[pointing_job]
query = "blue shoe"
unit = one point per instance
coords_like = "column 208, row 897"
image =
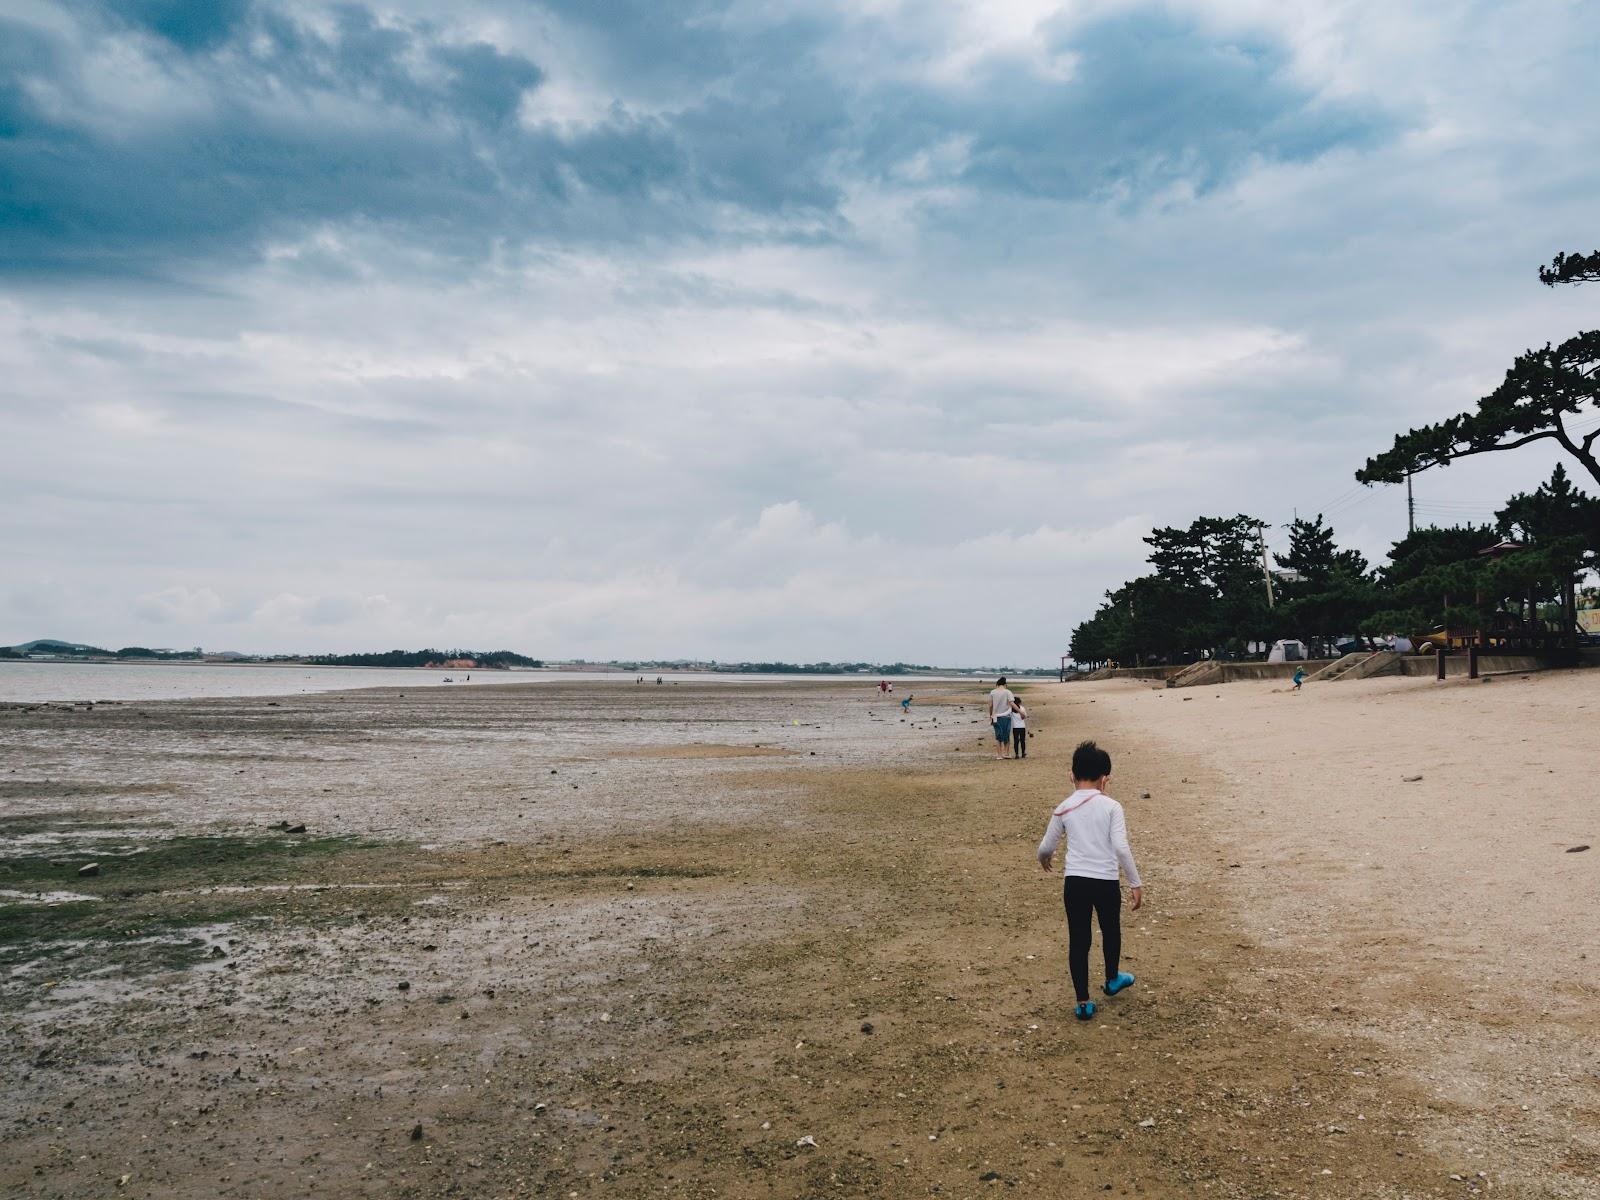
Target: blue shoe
column 1122, row 981
column 1084, row 1011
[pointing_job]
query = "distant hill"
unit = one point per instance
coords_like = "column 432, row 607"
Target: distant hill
column 61, row 649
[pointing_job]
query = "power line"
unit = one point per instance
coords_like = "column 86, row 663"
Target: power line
column 1351, row 506
column 1333, row 504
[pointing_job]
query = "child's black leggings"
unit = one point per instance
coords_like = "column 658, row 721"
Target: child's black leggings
column 1083, row 896
column 1019, row 742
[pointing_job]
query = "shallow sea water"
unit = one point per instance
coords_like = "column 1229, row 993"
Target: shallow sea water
column 38, row 682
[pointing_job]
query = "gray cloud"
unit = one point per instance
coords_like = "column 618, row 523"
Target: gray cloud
column 258, row 121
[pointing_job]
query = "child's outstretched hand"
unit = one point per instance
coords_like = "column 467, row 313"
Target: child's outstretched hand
column 1135, row 898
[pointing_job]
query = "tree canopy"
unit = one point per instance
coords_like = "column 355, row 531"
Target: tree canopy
column 1205, row 595
column 1550, row 394
column 1557, row 517
column 1205, row 590
column 1331, row 590
column 1571, row 268
column 1543, row 395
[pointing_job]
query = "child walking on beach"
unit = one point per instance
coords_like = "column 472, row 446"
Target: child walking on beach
column 1097, row 846
column 1019, row 730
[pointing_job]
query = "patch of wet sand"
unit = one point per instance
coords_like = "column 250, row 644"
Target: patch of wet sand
column 702, row 750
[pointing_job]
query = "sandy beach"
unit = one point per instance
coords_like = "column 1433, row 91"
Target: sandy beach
column 774, row 940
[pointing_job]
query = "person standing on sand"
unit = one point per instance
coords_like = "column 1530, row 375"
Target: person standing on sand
column 1299, row 677
column 1000, row 702
column 1097, row 846
column 1019, row 730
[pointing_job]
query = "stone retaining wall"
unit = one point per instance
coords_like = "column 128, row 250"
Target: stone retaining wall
column 1456, row 664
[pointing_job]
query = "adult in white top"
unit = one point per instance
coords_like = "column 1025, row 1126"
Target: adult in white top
column 1096, row 834
column 1000, row 701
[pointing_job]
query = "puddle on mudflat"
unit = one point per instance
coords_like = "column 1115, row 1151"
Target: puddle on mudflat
column 57, row 837
column 234, row 889
column 10, row 896
column 99, row 969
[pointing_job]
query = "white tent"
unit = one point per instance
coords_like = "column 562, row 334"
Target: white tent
column 1289, row 650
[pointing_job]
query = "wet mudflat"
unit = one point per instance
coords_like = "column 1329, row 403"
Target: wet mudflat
column 766, row 941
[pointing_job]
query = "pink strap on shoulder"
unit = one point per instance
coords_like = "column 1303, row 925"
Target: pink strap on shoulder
column 1061, row 812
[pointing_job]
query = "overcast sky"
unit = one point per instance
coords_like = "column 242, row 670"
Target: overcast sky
column 738, row 330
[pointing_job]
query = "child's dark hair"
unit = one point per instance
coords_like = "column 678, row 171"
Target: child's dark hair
column 1090, row 762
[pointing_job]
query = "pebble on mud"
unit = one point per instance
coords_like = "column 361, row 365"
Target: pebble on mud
column 866, row 1027
column 1411, row 779
column 404, row 985
column 1570, row 850
column 416, row 1132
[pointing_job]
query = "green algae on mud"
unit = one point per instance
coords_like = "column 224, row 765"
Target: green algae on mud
column 121, row 941
column 141, row 910
column 188, row 860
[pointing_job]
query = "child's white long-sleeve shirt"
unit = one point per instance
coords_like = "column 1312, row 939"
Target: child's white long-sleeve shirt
column 1096, row 833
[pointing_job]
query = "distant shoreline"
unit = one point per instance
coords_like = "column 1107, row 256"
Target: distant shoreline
column 586, row 668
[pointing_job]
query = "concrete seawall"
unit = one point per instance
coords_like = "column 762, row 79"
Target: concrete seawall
column 1210, row 671
column 1456, row 664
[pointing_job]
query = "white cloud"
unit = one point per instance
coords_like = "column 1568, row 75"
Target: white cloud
column 179, row 606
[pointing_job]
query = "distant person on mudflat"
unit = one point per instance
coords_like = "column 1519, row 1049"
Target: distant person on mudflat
column 1000, row 701
column 1299, row 677
column 1019, row 730
column 905, row 705
column 1096, row 834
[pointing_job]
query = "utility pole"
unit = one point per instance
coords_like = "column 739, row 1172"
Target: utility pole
column 1411, row 507
column 1266, row 571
